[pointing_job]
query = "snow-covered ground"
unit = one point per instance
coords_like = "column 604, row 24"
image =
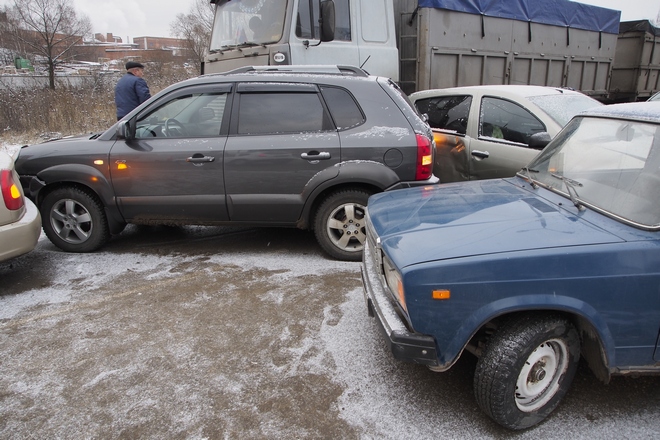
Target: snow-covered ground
column 239, row 333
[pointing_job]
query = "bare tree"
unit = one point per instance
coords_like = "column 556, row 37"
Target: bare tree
column 195, row 28
column 46, row 28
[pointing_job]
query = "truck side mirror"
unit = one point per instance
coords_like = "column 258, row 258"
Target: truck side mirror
column 538, row 141
column 327, row 20
column 124, row 131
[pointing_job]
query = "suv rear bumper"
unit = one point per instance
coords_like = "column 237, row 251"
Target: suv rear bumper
column 405, row 345
column 411, row 184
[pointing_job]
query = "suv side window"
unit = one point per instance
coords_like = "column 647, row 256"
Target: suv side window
column 343, row 108
column 191, row 115
column 281, row 112
column 506, row 120
column 308, row 19
column 447, row 112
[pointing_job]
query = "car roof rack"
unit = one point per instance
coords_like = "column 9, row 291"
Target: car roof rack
column 302, row 68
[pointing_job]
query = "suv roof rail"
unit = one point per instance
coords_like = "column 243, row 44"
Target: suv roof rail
column 320, row 68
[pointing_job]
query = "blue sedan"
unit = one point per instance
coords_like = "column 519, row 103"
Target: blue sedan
column 532, row 272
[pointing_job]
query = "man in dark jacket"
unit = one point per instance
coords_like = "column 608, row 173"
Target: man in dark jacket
column 131, row 90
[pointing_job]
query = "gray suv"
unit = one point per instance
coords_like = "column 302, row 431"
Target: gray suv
column 298, row 147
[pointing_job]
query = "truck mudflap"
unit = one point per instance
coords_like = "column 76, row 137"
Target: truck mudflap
column 404, row 344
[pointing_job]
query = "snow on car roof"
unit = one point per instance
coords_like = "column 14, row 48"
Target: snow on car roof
column 643, row 111
column 500, row 89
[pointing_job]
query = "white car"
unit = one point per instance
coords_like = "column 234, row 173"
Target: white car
column 20, row 221
column 484, row 132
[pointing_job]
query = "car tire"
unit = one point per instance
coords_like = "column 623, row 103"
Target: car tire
column 339, row 224
column 74, row 220
column 526, row 368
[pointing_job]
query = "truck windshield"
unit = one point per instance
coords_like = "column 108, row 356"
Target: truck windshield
column 247, row 22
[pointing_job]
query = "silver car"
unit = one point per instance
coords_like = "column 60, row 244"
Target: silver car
column 484, row 132
column 20, row 222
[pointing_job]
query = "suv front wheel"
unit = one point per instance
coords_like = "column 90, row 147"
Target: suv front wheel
column 74, row 220
column 339, row 224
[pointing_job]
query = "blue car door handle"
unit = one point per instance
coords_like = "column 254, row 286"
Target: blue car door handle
column 315, row 155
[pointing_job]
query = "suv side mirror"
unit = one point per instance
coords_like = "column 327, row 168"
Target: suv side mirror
column 124, row 131
column 538, row 141
column 327, row 20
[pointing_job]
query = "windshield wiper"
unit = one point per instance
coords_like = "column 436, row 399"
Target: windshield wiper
column 570, row 189
column 528, row 175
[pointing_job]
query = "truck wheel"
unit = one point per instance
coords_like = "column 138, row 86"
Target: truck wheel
column 74, row 220
column 339, row 224
column 526, row 369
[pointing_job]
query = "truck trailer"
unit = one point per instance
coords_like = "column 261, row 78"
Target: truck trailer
column 424, row 44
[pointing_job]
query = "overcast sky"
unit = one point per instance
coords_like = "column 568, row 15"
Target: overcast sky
column 135, row 18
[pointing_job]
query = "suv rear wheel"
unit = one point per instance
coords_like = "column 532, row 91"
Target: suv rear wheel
column 339, row 224
column 74, row 220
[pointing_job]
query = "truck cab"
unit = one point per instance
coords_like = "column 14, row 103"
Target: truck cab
column 311, row 32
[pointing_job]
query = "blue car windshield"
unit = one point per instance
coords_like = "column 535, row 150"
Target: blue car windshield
column 611, row 165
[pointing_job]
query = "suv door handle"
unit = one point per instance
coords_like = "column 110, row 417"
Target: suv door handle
column 315, row 155
column 200, row 158
column 480, row 154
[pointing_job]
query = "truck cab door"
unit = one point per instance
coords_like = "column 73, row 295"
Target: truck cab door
column 305, row 36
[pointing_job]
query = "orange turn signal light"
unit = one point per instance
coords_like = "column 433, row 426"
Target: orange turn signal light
column 441, row 294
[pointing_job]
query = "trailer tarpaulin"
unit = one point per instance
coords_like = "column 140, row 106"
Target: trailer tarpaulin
column 553, row 12
column 639, row 26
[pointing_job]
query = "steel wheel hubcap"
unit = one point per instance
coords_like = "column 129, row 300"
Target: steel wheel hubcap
column 538, row 380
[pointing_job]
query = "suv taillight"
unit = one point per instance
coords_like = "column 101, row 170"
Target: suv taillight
column 10, row 192
column 424, row 169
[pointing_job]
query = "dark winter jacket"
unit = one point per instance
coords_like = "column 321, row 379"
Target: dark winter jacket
column 130, row 92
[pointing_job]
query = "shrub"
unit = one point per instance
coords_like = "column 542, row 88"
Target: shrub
column 80, row 103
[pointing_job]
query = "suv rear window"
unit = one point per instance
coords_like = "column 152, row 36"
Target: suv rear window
column 262, row 113
column 343, row 108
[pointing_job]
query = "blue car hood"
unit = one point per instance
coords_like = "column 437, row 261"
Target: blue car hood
column 474, row 218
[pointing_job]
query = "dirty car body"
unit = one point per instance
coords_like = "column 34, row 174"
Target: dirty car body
column 301, row 146
column 485, row 132
column 529, row 273
column 20, row 222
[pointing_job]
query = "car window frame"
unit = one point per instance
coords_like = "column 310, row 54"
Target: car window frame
column 215, row 88
column 484, row 138
column 471, row 99
column 277, row 87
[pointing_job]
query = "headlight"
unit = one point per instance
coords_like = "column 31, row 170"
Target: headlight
column 394, row 282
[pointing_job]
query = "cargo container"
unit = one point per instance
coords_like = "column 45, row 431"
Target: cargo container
column 636, row 63
column 426, row 44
